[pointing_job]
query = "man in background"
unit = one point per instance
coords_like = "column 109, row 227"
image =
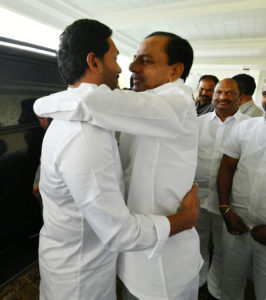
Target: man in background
column 206, row 87
column 242, row 189
column 248, row 86
column 214, row 127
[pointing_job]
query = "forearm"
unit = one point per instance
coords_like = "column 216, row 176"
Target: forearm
column 123, row 231
column 225, row 178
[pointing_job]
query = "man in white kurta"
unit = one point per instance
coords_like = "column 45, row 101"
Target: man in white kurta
column 159, row 168
column 82, row 231
column 244, row 168
column 163, row 170
column 213, row 130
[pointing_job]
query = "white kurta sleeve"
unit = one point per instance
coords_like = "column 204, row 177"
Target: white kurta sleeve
column 88, row 167
column 143, row 113
column 231, row 145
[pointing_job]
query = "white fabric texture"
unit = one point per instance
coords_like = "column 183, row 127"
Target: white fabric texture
column 242, row 254
column 190, row 292
column 86, row 222
column 210, row 226
column 159, row 167
column 248, row 144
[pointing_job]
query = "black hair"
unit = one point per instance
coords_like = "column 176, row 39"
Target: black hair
column 178, row 50
column 209, row 77
column 246, row 82
column 77, row 40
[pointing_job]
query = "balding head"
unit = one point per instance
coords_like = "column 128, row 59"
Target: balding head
column 226, row 97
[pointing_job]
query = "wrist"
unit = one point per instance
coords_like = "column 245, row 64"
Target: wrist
column 225, row 209
column 226, row 204
column 181, row 221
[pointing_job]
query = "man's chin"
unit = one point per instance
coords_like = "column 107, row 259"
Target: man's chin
column 205, row 99
column 138, row 88
column 113, row 86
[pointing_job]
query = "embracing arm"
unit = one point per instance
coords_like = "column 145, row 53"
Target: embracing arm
column 144, row 113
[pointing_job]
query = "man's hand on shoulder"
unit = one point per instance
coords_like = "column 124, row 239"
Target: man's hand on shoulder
column 188, row 214
column 259, row 234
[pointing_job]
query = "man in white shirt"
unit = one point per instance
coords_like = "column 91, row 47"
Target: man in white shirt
column 86, row 222
column 159, row 165
column 248, row 86
column 214, row 127
column 242, row 189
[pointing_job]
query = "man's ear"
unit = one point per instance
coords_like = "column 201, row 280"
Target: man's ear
column 94, row 63
column 177, row 71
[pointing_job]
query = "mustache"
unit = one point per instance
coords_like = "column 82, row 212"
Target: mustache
column 204, row 96
column 224, row 100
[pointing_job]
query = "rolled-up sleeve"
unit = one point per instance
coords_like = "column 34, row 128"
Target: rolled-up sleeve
column 231, row 145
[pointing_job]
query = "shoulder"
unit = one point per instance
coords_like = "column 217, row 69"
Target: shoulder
column 206, row 117
column 248, row 127
column 62, row 135
column 178, row 96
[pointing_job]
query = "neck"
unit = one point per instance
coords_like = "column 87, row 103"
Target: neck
column 87, row 77
column 223, row 115
column 74, row 85
column 244, row 99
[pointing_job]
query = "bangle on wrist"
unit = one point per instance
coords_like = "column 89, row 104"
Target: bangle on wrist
column 224, row 208
column 227, row 211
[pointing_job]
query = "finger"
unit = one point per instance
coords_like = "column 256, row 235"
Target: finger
column 237, row 232
column 242, row 227
column 254, row 229
column 195, row 187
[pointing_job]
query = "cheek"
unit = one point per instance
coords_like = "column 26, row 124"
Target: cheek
column 156, row 78
column 236, row 102
column 264, row 102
